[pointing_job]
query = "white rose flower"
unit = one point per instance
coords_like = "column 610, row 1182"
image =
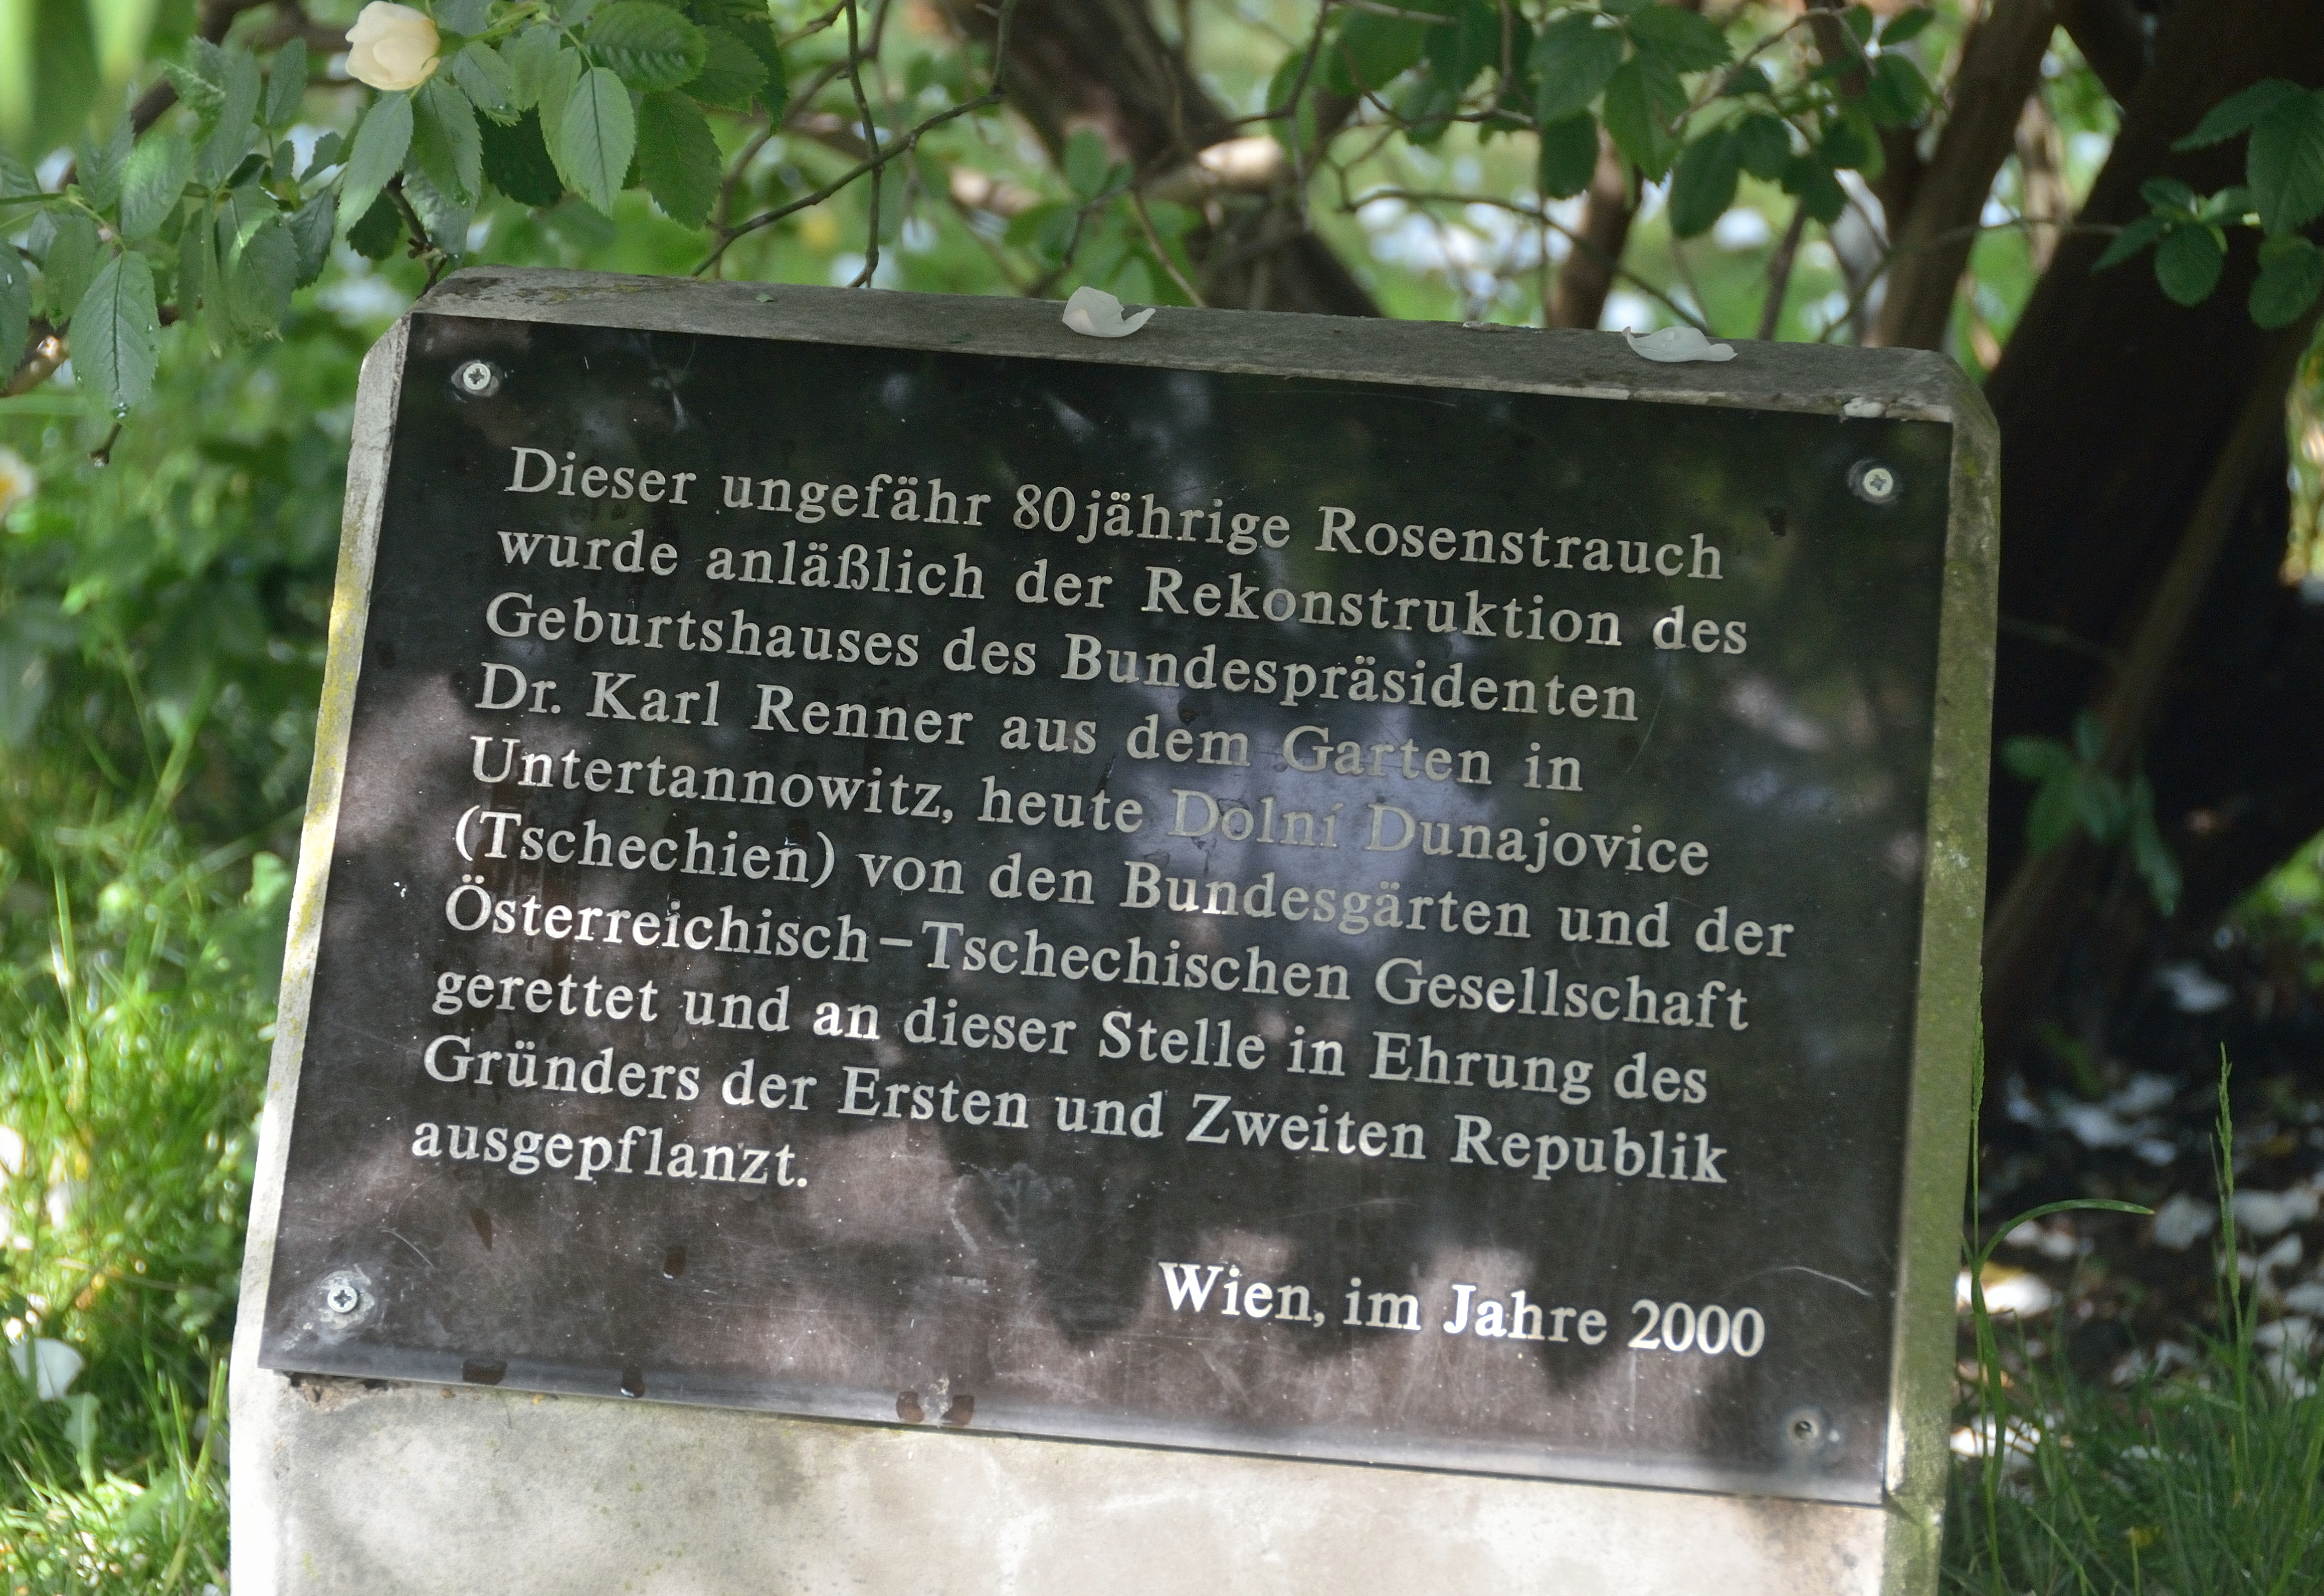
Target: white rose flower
column 17, row 482
column 393, row 47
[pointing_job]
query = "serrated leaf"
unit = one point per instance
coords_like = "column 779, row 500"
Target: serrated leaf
column 485, row 78
column 381, row 140
column 1682, row 41
column 2228, row 205
column 16, row 182
column 1703, row 186
column 1569, row 155
column 15, row 302
column 260, row 276
column 731, row 75
column 97, row 167
column 445, row 216
column 2130, row 241
column 517, row 162
column 2291, row 277
column 374, row 236
column 116, row 333
column 528, row 54
column 1810, row 181
column 229, row 139
column 462, row 16
column 2285, row 163
column 200, row 78
column 153, row 181
column 67, row 262
column 1894, row 92
column 1634, row 97
column 2239, row 112
column 312, row 225
column 1765, row 144
column 1575, row 58
column 678, row 158
column 2168, row 194
column 329, row 152
column 564, row 70
column 2187, row 263
column 196, row 245
column 1846, row 146
column 444, row 143
column 286, row 84
column 1457, row 54
column 596, row 136
column 1085, row 163
column 649, row 47
column 1906, row 27
column 1371, row 51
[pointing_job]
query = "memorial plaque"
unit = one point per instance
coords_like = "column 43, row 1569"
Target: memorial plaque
column 1272, row 886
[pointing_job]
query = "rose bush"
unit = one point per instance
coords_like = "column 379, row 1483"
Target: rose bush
column 393, row 47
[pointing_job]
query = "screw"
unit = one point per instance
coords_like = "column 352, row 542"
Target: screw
column 342, row 1298
column 1872, row 481
column 477, row 378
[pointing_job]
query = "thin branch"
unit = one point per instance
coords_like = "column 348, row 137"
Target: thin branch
column 872, row 136
column 1154, row 240
column 1779, row 272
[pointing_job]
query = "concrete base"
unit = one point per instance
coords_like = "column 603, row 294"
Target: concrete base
column 347, row 1488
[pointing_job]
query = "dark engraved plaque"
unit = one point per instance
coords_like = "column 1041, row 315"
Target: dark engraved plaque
column 1226, row 908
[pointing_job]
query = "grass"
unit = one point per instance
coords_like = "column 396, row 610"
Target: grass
column 136, row 990
column 2208, row 1479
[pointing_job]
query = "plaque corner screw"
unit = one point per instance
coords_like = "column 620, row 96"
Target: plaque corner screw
column 478, row 379
column 1873, row 481
column 341, row 1297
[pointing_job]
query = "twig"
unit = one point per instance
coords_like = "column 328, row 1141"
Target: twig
column 871, row 135
column 1146, row 222
column 1779, row 271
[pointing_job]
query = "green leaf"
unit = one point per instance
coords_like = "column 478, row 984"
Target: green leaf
column 68, row 262
column 446, row 215
column 1569, row 155
column 197, row 244
column 462, row 16
column 200, row 78
column 1575, row 58
column 1846, row 146
column 15, row 302
column 444, row 143
column 1765, row 144
column 286, row 85
column 678, row 158
column 485, row 78
column 15, row 181
column 1293, row 126
column 529, row 54
column 517, row 162
column 732, row 72
column 116, row 333
column 2188, row 262
column 1810, row 180
column 2286, row 163
column 649, row 47
column 565, row 71
column 1894, row 92
column 1905, row 26
column 2038, row 758
column 596, row 134
column 1047, row 230
column 97, row 167
column 1426, row 110
column 153, row 182
column 1371, row 51
column 380, row 142
column 310, row 231
column 1703, row 186
column 1635, row 95
column 1086, row 163
column 260, row 276
column 1682, row 41
column 1860, row 21
column 374, row 236
column 231, row 137
column 1458, row 53
column 2239, row 112
column 2130, row 241
column 2169, row 194
column 2291, row 277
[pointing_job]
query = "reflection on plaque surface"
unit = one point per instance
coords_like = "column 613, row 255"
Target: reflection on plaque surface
column 1241, row 911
